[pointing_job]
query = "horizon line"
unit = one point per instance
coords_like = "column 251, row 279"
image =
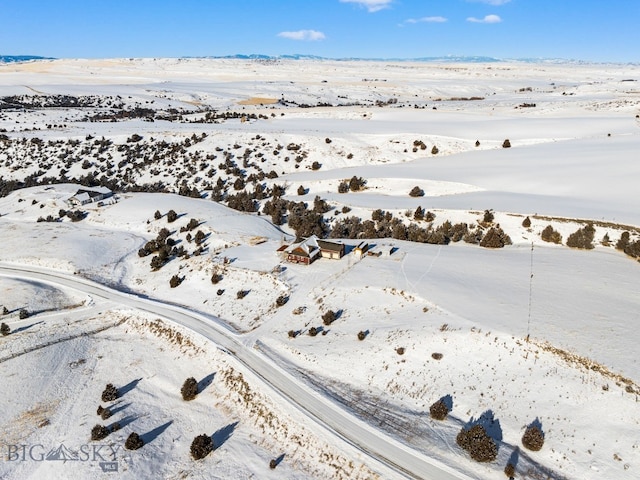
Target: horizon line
column 298, row 56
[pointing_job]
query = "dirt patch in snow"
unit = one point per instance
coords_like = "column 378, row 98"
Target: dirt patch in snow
column 258, row 101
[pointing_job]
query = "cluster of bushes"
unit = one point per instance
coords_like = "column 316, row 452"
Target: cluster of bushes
column 495, row 238
column 139, row 155
column 329, row 317
column 304, row 221
column 104, row 413
column 385, row 225
column 355, row 184
column 421, row 215
column 60, row 101
column 166, row 247
column 419, row 144
column 192, row 225
column 416, row 192
column 627, row 246
column 242, row 201
column 110, row 393
column 98, row 432
column 76, row 215
column 478, row 443
column 161, row 242
column 175, row 281
column 186, row 191
column 582, row 238
column 550, row 235
column 201, row 446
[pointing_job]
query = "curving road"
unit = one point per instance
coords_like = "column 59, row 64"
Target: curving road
column 399, row 457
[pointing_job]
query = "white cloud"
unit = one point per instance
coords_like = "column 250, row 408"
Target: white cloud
column 426, row 20
column 487, row 19
column 371, row 5
column 495, row 3
column 306, row 35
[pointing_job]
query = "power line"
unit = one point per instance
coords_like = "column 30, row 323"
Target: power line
column 530, row 293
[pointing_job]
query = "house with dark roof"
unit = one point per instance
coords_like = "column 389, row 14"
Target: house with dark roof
column 88, row 195
column 330, row 249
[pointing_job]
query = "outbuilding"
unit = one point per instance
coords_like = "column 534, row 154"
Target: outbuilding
column 330, row 249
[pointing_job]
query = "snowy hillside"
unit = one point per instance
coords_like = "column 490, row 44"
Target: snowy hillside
column 471, row 292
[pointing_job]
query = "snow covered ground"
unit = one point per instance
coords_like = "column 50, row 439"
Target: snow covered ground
column 533, row 331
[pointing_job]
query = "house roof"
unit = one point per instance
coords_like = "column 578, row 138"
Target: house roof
column 308, row 248
column 94, row 191
column 331, row 246
column 81, row 197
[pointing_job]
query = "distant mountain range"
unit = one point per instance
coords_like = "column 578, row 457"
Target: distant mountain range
column 457, row 59
column 441, row 59
column 257, row 56
column 21, row 58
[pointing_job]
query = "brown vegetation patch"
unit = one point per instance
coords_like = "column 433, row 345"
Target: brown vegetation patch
column 588, row 364
column 612, row 225
column 273, row 426
column 162, row 330
column 258, row 101
column 19, row 428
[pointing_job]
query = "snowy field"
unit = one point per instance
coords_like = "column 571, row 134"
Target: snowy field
column 532, row 332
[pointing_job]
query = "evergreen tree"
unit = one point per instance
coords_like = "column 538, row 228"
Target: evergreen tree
column 189, row 389
column 134, row 442
column 201, row 446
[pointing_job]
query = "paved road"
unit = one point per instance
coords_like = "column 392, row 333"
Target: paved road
column 397, row 456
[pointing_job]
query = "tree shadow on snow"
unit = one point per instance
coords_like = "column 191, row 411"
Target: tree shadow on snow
column 151, row 435
column 124, row 422
column 490, row 424
column 119, row 407
column 514, row 458
column 205, row 382
column 26, row 327
column 538, row 424
column 448, row 402
column 128, row 387
column 224, row 434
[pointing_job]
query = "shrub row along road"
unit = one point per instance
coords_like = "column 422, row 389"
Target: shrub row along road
column 397, row 456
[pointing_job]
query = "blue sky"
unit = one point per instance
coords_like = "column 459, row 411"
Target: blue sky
column 592, row 30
